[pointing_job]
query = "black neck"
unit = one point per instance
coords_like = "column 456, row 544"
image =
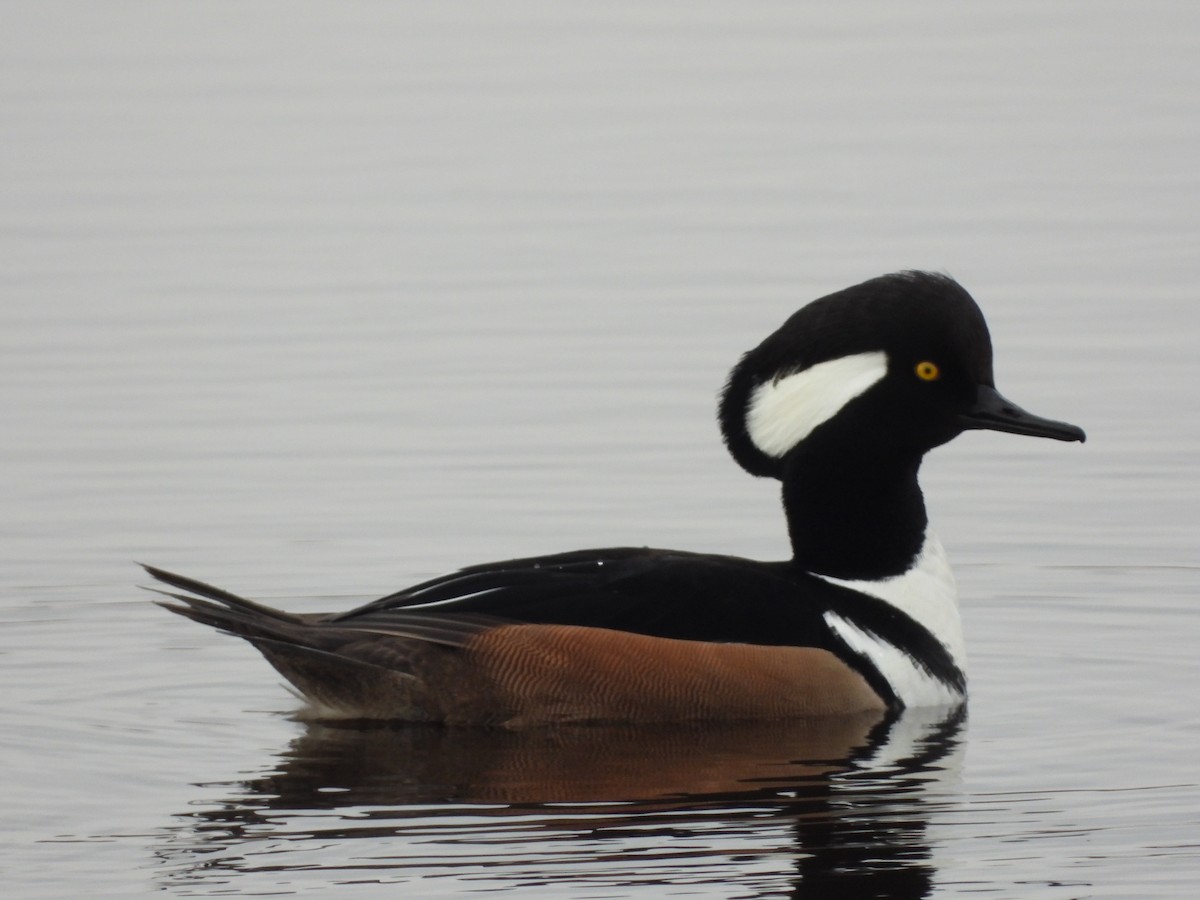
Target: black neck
column 853, row 513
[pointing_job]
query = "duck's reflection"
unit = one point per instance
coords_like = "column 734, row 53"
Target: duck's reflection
column 839, row 805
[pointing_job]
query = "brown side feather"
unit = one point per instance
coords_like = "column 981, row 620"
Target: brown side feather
column 558, row 673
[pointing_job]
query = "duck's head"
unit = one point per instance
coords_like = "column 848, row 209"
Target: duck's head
column 898, row 364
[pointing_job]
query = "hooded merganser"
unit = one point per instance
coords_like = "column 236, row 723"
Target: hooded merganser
column 840, row 404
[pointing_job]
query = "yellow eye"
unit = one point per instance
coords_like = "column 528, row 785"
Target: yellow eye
column 928, row 371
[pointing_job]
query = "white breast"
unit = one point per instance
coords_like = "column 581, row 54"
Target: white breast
column 926, row 593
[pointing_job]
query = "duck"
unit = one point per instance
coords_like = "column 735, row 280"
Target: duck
column 839, row 405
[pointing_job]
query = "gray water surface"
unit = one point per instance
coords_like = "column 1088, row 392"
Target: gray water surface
column 315, row 301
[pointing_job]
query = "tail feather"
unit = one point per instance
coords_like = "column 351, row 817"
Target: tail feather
column 200, row 589
column 342, row 671
column 231, row 621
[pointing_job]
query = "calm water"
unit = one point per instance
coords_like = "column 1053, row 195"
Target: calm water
column 315, row 301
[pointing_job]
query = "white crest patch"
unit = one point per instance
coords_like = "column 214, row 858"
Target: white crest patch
column 926, row 593
column 784, row 412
